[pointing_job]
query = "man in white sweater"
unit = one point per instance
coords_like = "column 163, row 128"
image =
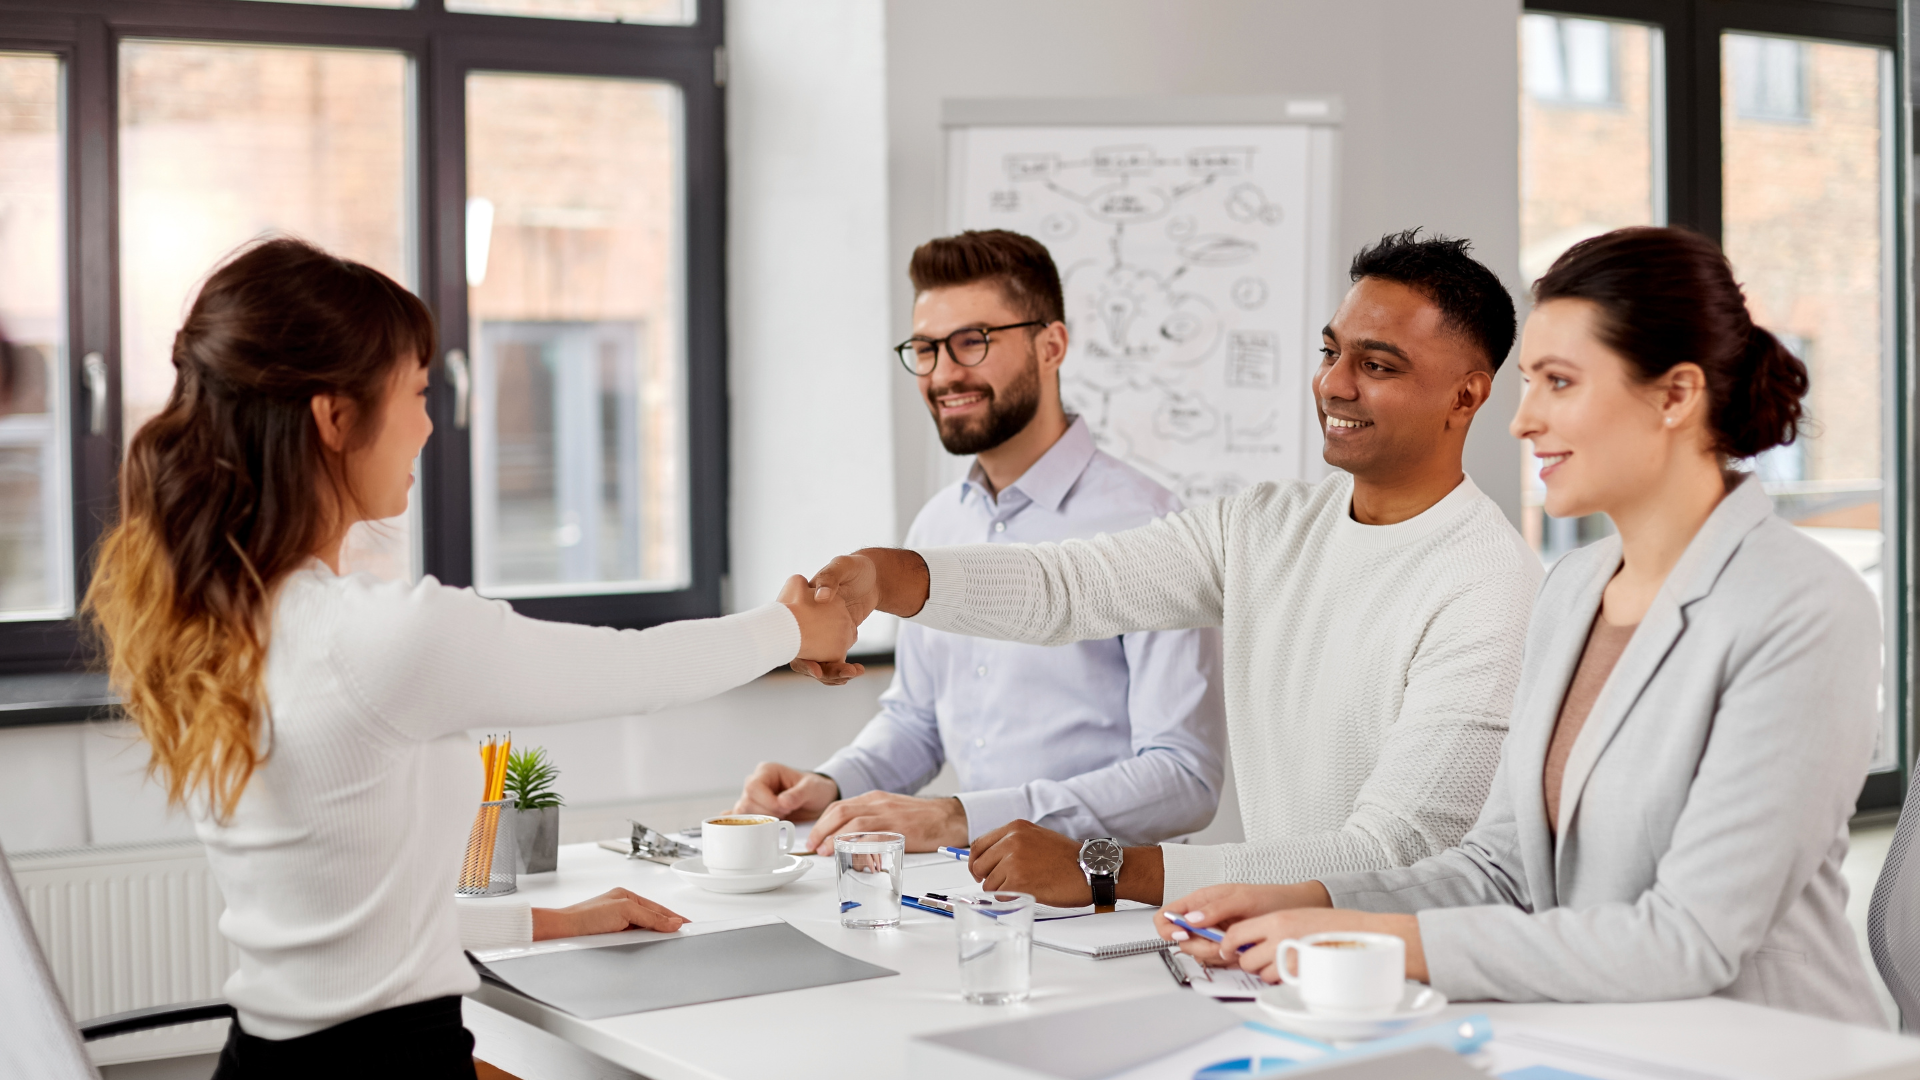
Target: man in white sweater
column 1373, row 621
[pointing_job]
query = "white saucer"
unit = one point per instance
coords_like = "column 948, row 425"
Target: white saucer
column 1283, row 1004
column 741, row 881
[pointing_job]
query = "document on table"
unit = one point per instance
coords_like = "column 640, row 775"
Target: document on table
column 1103, row 937
column 662, row 971
column 1519, row 1052
column 1220, row 983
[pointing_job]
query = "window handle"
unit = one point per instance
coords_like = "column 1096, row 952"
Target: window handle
column 462, row 386
column 94, row 367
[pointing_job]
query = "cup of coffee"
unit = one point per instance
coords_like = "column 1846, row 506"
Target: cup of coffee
column 1346, row 974
column 744, row 843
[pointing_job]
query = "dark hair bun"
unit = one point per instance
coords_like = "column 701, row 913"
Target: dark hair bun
column 1763, row 409
column 1667, row 297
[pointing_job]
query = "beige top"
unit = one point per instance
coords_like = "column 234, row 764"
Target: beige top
column 1605, row 643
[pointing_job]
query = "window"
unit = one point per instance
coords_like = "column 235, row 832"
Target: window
column 1568, row 61
column 1776, row 136
column 36, row 553
column 549, row 183
column 577, row 458
column 1583, row 173
column 1767, row 77
column 633, row 11
column 221, row 143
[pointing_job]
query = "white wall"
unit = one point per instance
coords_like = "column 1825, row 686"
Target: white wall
column 73, row 784
column 808, row 368
column 1431, row 90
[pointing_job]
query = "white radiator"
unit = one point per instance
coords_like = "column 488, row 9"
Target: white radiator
column 128, row 926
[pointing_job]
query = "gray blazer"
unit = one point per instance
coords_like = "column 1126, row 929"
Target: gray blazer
column 1704, row 809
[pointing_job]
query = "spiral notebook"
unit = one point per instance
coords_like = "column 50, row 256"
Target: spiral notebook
column 1102, row 937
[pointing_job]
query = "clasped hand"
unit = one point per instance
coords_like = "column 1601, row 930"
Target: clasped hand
column 869, row 580
column 827, row 628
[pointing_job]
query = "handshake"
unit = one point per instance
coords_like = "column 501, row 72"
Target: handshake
column 832, row 604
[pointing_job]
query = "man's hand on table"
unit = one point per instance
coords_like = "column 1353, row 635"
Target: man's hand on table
column 783, row 791
column 610, row 912
column 926, row 823
column 892, row 580
column 1023, row 857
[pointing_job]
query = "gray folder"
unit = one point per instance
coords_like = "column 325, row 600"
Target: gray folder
column 618, row 979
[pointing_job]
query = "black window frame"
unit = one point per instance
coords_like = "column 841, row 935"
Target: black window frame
column 443, row 47
column 1692, row 31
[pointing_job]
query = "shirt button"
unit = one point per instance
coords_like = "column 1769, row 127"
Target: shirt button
column 979, row 742
column 999, row 526
column 981, row 671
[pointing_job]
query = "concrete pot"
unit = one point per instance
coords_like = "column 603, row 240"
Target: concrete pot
column 538, row 833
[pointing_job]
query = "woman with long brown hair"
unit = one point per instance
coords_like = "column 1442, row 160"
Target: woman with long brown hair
column 312, row 723
column 1697, row 700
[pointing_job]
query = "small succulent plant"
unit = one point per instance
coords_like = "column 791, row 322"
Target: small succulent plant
column 530, row 778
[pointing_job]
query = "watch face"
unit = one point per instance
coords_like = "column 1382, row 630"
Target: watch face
column 1100, row 856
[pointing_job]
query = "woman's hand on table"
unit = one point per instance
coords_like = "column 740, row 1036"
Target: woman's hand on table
column 609, row 913
column 1262, row 935
column 1220, row 906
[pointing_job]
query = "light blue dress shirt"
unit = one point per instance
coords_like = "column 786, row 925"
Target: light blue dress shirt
column 1123, row 737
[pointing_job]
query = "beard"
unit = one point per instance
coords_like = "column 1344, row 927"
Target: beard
column 1009, row 411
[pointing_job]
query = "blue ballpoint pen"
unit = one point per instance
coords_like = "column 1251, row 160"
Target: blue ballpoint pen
column 963, row 854
column 1214, row 936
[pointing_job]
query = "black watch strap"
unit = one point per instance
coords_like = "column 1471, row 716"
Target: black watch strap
column 1104, row 888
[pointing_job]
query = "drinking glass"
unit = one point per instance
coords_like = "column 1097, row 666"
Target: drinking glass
column 869, row 864
column 995, row 934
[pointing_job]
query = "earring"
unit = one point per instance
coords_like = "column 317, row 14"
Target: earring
column 1669, row 421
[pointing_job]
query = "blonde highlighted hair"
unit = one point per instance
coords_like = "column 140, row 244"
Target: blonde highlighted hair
column 229, row 489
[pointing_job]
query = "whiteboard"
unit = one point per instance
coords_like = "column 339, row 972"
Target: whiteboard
column 1195, row 264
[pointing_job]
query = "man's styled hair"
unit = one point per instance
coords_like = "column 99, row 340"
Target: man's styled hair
column 1019, row 264
column 1469, row 296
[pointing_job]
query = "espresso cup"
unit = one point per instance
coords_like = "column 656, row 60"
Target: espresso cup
column 744, row 843
column 1346, row 974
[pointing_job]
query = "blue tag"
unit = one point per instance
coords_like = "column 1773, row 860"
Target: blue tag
column 1242, row 1068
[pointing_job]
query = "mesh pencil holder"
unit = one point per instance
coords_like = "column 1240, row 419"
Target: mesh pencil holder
column 492, row 853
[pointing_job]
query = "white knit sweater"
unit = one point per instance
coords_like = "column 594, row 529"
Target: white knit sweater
column 338, row 868
column 1369, row 669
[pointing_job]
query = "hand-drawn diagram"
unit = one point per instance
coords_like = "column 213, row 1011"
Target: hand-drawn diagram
column 1186, row 256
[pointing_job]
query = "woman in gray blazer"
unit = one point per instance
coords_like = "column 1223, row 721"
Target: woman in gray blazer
column 1698, row 699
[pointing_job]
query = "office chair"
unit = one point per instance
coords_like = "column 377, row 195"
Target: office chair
column 1893, row 916
column 42, row 1040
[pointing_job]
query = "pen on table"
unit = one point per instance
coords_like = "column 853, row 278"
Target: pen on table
column 963, row 854
column 1214, row 936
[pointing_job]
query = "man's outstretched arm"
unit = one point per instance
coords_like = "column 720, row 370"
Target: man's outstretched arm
column 1165, row 575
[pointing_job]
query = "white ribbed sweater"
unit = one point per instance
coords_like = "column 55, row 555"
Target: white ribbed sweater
column 338, row 867
column 1369, row 669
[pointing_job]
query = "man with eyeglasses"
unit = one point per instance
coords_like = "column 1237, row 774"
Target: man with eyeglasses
column 1122, row 737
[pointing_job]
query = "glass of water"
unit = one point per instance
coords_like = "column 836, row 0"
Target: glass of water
column 995, row 932
column 869, row 864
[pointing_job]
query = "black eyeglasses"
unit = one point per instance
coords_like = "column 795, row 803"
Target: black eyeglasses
column 967, row 347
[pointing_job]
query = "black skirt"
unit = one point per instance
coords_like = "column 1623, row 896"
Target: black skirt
column 424, row 1040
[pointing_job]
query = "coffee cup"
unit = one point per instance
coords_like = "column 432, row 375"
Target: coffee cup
column 744, row 843
column 1346, row 974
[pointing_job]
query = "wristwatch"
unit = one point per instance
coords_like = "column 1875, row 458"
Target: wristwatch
column 1100, row 860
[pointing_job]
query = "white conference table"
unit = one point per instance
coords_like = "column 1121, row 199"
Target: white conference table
column 860, row 1029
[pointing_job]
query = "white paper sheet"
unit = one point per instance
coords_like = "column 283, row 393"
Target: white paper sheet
column 1519, row 1052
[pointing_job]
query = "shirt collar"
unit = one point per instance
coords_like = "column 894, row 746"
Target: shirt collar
column 1048, row 480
